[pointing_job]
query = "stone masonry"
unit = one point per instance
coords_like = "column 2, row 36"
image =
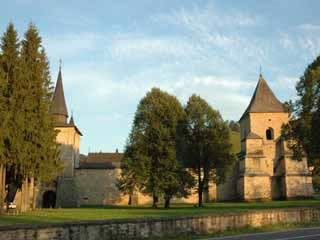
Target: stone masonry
column 265, row 169
column 157, row 226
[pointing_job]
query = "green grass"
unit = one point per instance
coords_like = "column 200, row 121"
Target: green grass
column 235, row 141
column 117, row 212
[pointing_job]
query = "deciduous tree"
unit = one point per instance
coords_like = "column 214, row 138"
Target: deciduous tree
column 205, row 144
column 302, row 131
column 150, row 157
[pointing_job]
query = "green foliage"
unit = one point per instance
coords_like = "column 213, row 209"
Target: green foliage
column 233, row 125
column 43, row 149
column 150, row 163
column 235, row 141
column 27, row 136
column 205, row 145
column 302, row 131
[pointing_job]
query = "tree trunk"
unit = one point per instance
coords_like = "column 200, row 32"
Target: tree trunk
column 12, row 191
column 205, row 190
column 2, row 187
column 200, row 191
column 130, row 200
column 167, row 202
column 200, row 187
column 155, row 201
column 34, row 193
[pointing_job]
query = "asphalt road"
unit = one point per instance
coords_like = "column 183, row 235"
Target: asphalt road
column 298, row 234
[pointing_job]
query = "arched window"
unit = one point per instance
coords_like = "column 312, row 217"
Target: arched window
column 269, row 134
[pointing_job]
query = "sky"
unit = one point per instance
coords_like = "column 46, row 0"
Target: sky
column 114, row 52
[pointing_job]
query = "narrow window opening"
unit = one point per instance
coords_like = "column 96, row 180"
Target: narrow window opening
column 269, row 134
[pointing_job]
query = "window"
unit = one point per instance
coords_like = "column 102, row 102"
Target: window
column 269, row 134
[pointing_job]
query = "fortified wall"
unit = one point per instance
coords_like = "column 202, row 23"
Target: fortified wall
column 264, row 170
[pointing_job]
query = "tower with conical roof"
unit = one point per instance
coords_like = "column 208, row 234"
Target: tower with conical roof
column 265, row 168
column 69, row 139
column 59, row 106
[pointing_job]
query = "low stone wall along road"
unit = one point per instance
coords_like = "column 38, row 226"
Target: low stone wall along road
column 139, row 228
column 299, row 234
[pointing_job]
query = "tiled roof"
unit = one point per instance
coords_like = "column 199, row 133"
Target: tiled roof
column 263, row 100
column 59, row 106
column 90, row 165
column 101, row 160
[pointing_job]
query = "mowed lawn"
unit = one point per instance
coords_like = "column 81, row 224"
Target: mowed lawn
column 117, row 212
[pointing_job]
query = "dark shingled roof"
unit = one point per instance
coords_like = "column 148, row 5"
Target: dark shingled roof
column 59, row 106
column 103, row 157
column 90, row 165
column 101, row 160
column 263, row 100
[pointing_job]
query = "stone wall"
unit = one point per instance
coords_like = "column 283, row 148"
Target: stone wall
column 98, row 187
column 69, row 139
column 257, row 188
column 227, row 191
column 67, row 192
column 148, row 227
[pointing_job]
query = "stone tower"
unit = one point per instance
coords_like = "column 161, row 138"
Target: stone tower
column 265, row 168
column 69, row 138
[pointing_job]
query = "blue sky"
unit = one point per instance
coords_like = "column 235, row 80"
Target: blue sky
column 113, row 52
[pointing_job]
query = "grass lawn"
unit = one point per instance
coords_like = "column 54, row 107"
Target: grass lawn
column 112, row 212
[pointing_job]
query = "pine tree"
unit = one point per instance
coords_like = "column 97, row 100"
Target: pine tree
column 10, row 142
column 9, row 68
column 3, row 133
column 44, row 155
column 205, row 144
column 27, row 136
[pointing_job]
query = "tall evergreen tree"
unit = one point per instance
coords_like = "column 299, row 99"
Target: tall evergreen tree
column 302, row 131
column 151, row 158
column 27, row 136
column 43, row 150
column 3, row 133
column 10, row 140
column 205, row 144
column 9, row 70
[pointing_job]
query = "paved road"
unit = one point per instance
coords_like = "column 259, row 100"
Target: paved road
column 298, row 234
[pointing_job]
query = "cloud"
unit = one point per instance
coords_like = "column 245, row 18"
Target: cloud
column 286, row 82
column 287, row 42
column 309, row 27
column 199, row 18
column 222, row 82
column 72, row 44
column 212, row 52
column 219, row 37
column 145, row 46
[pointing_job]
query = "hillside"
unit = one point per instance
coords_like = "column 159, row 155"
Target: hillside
column 235, row 139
